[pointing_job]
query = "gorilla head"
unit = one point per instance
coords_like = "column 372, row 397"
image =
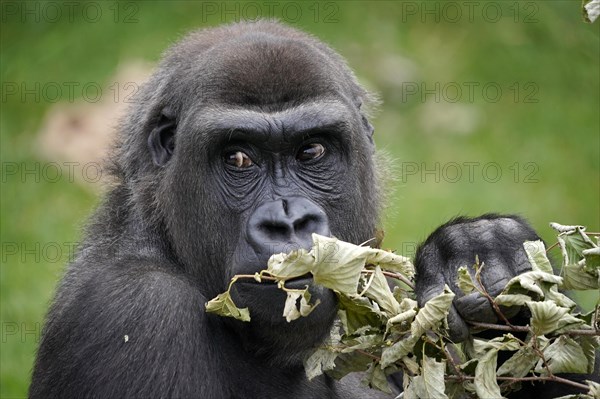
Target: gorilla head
column 246, row 140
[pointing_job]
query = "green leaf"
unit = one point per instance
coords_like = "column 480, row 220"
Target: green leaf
column 295, row 264
column 465, row 282
column 485, row 376
column 433, row 379
column 485, row 371
column 573, row 243
column 320, row 361
column 398, row 350
column 577, row 278
column 223, row 306
column 375, row 378
column 564, row 355
column 547, row 317
column 594, row 388
column 559, row 298
column 347, row 363
column 512, row 299
column 531, row 281
column 390, row 261
column 378, row 290
column 428, row 317
column 363, row 342
column 589, row 345
column 403, row 318
column 536, row 253
column 576, row 396
column 357, row 313
column 338, row 264
column 519, row 364
column 592, row 259
column 291, row 311
column 433, row 313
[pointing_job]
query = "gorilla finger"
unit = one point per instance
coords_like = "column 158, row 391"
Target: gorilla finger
column 459, row 330
column 495, row 275
column 475, row 307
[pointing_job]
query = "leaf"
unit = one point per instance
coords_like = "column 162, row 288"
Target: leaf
column 375, row 378
column 547, row 317
column 320, row 361
column 576, row 278
column 564, row 355
column 573, row 243
column 291, row 311
column 536, row 253
column 433, row 378
column 485, row 382
column 391, row 261
column 485, row 376
column 347, row 363
column 531, row 281
column 594, row 388
column 357, row 313
column 512, row 299
column 223, row 306
column 295, row 264
column 589, row 345
column 434, row 311
column 559, row 298
column 519, row 364
column 363, row 342
column 379, row 291
column 337, row 263
column 592, row 259
column 408, row 311
column 465, row 282
column 429, row 316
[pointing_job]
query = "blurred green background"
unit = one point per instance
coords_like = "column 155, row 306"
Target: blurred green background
column 487, row 106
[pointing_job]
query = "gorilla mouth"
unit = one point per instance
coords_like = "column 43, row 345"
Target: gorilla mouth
column 299, row 282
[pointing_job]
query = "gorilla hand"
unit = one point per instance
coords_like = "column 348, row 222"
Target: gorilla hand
column 498, row 243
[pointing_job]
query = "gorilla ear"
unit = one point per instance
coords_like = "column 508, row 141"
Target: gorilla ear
column 368, row 128
column 161, row 140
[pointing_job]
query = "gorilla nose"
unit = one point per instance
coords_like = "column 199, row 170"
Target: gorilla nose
column 286, row 224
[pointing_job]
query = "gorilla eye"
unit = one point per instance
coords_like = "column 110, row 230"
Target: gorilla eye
column 238, row 159
column 310, row 151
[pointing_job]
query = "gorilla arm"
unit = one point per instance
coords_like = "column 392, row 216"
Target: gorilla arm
column 127, row 330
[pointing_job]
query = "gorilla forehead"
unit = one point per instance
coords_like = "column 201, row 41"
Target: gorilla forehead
column 266, row 71
column 270, row 67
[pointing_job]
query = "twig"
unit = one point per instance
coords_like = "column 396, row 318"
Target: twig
column 513, row 328
column 516, row 379
column 397, row 276
column 500, row 327
column 551, row 247
column 484, row 292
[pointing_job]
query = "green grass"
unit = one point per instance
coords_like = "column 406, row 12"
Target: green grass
column 558, row 135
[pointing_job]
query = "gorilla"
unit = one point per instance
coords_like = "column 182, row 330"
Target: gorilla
column 247, row 139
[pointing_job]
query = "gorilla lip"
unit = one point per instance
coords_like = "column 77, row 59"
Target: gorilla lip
column 296, row 282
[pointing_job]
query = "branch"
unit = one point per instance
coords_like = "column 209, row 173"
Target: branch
column 513, row 328
column 517, row 379
column 397, row 276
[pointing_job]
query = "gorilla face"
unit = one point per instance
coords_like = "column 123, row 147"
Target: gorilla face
column 263, row 143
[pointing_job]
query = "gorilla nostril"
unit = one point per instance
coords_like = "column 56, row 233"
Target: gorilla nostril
column 306, row 224
column 275, row 230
